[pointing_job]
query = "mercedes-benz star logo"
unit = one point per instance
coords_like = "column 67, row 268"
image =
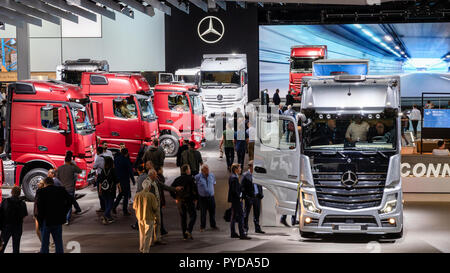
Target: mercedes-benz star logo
column 211, row 30
column 349, row 179
column 219, row 97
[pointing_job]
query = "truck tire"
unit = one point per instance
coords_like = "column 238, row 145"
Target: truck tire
column 308, row 235
column 170, row 144
column 31, row 180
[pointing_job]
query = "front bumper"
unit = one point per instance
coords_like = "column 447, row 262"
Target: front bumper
column 214, row 110
column 361, row 221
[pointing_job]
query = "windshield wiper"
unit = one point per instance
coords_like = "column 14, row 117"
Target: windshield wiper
column 382, row 154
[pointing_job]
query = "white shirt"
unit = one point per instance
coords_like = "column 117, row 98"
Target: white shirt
column 357, row 132
column 439, row 152
column 415, row 114
column 107, row 153
column 251, row 131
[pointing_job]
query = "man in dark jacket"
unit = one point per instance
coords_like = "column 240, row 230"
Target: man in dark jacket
column 235, row 197
column 67, row 174
column 12, row 212
column 289, row 99
column 276, row 97
column 252, row 194
column 183, row 148
column 186, row 199
column 155, row 154
column 124, row 172
column 193, row 158
column 52, row 204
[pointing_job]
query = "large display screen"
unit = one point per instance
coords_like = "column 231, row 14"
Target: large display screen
column 418, row 52
column 436, row 118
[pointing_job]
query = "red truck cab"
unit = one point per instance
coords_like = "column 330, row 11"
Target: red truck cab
column 180, row 114
column 129, row 114
column 301, row 64
column 44, row 120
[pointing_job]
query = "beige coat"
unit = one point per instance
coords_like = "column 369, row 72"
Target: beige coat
column 146, row 206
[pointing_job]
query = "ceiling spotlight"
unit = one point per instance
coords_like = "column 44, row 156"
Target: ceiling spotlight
column 388, row 38
column 131, row 13
column 403, row 52
column 397, row 47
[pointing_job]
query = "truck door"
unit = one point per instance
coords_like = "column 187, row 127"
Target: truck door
column 124, row 124
column 50, row 138
column 277, row 159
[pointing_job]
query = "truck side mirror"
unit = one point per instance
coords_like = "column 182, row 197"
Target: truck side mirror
column 62, row 117
column 97, row 109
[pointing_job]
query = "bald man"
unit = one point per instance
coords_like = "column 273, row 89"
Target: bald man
column 205, row 186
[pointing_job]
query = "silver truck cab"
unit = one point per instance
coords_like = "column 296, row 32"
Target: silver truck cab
column 334, row 165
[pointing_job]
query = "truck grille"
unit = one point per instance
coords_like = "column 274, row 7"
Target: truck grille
column 367, row 193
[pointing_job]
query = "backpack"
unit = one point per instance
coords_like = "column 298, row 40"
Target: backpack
column 105, row 184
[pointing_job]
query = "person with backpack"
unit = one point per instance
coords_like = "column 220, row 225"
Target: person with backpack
column 108, row 182
column 124, row 171
column 52, row 205
column 13, row 211
column 99, row 165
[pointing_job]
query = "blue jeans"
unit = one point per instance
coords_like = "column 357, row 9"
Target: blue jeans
column 108, row 198
column 74, row 203
column 56, row 232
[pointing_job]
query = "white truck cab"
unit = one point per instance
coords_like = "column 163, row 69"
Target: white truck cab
column 338, row 164
column 223, row 84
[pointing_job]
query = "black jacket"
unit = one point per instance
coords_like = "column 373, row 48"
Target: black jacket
column 289, row 100
column 189, row 192
column 124, row 169
column 276, row 99
column 180, row 151
column 53, row 203
column 234, row 189
column 12, row 212
column 248, row 188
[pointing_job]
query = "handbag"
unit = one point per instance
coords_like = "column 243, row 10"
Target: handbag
column 227, row 215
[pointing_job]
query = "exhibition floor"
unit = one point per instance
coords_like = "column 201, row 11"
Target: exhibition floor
column 427, row 227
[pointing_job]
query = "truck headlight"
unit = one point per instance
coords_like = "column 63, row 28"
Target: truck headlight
column 390, row 205
column 308, row 203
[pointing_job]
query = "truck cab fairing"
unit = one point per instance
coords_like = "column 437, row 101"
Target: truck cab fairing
column 223, row 84
column 35, row 140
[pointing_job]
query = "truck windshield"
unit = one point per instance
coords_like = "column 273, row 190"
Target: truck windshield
column 350, row 133
column 197, row 106
column 187, row 78
column 146, row 109
column 302, row 65
column 221, row 78
column 82, row 121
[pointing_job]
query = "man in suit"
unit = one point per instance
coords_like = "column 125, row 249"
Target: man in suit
column 235, row 198
column 276, row 97
column 252, row 194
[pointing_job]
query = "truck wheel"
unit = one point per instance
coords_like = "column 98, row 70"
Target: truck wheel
column 31, row 180
column 308, row 234
column 170, row 144
column 393, row 236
